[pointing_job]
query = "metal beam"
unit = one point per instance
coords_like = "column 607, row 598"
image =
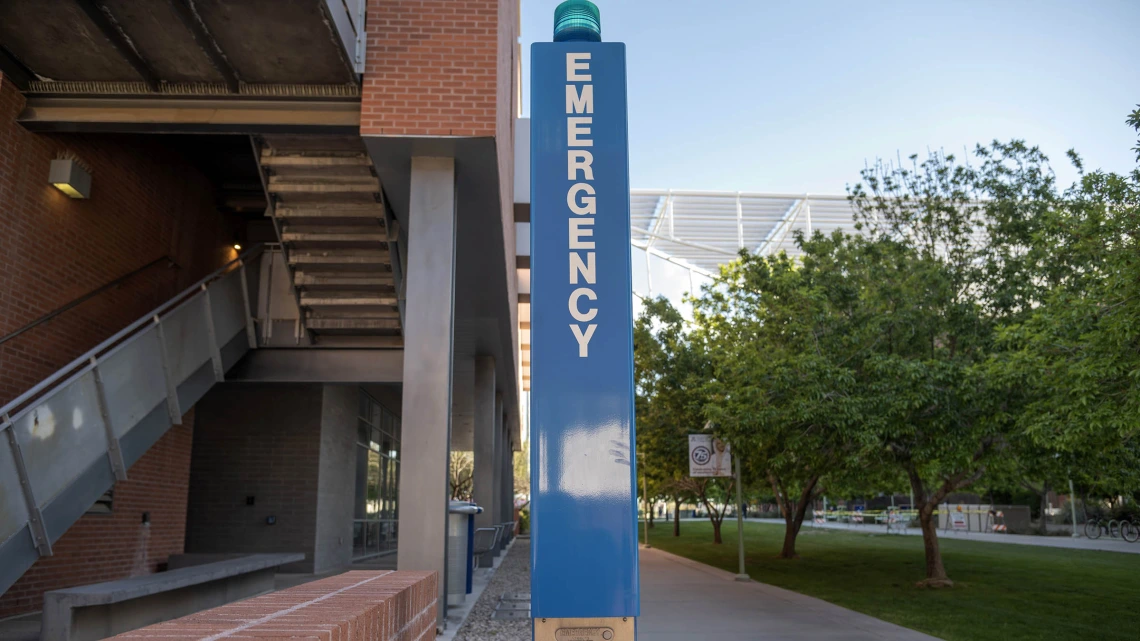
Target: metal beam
column 664, row 209
column 14, row 70
column 106, row 23
column 319, row 365
column 686, row 243
column 193, row 22
column 781, row 228
column 189, row 115
column 739, row 223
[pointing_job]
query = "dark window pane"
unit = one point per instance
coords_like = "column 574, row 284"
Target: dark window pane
column 360, row 507
column 358, row 547
column 373, row 484
column 365, row 405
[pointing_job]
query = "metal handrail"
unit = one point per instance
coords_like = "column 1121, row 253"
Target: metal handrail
column 84, row 298
column 85, row 361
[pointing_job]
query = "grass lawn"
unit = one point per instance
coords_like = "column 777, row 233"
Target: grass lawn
column 1006, row 592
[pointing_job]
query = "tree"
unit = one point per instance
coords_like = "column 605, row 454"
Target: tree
column 462, row 473
column 1075, row 356
column 956, row 263
column 521, row 466
column 781, row 334
column 670, row 371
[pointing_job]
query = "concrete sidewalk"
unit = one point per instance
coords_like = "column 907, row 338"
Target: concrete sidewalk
column 682, row 600
column 1080, row 543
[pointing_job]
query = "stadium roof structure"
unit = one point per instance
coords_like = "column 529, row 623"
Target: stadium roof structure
column 705, row 229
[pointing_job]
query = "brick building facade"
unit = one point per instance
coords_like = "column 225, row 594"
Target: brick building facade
column 271, row 463
column 148, row 202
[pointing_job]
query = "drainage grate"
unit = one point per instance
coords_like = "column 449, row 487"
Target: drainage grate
column 513, row 605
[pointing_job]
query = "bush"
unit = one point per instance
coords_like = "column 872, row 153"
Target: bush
column 1129, row 511
column 524, row 520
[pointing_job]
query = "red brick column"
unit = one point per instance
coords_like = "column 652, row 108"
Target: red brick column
column 379, row 606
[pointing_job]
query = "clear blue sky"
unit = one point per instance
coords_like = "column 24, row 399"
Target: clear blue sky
column 754, row 95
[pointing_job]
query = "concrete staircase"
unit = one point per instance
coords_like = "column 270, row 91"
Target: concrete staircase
column 340, row 240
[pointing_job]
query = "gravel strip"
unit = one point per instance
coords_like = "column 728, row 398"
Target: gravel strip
column 513, row 575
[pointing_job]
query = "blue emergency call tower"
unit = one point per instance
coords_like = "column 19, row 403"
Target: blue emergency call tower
column 584, row 576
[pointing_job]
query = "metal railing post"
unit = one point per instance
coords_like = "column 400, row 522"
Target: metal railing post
column 172, row 407
column 250, row 332
column 113, row 452
column 212, row 335
column 35, row 516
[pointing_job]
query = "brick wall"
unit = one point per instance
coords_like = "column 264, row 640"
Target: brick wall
column 104, row 547
column 431, row 68
column 146, row 202
column 383, row 606
column 259, row 440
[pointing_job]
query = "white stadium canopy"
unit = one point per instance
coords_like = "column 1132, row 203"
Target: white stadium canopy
column 680, row 238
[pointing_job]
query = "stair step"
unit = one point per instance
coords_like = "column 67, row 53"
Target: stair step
column 331, row 210
column 347, row 279
column 346, row 299
column 273, row 160
column 357, row 258
column 328, row 185
column 319, row 324
column 336, row 234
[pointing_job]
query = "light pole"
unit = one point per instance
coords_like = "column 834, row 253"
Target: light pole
column 741, row 574
column 645, row 493
column 1072, row 508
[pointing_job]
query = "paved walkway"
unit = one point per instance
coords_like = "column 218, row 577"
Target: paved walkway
column 682, row 600
column 1081, row 543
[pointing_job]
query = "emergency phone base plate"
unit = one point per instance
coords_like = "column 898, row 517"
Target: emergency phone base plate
column 585, row 629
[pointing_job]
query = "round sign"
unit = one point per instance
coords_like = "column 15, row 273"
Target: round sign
column 701, row 455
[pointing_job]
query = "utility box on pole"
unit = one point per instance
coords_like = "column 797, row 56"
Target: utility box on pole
column 584, row 575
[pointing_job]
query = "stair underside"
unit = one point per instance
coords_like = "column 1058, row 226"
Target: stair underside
column 329, row 214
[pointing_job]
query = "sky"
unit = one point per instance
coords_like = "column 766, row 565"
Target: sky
column 753, row 95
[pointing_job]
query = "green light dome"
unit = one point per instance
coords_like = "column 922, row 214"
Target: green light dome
column 577, row 20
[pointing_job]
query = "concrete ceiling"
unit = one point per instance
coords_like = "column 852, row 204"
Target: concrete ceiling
column 170, row 42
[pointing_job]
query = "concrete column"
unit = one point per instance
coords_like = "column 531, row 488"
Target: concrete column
column 486, row 445
column 428, row 337
column 496, row 509
column 508, row 477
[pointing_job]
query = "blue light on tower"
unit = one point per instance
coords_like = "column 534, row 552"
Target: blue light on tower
column 577, row 21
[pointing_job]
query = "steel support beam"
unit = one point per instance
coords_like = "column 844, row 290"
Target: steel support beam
column 206, row 41
column 101, row 16
column 14, row 70
column 190, row 115
column 319, row 365
column 781, row 228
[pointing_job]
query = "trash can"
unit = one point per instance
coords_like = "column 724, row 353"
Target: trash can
column 460, row 549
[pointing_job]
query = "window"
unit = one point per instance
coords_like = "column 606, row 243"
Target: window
column 375, row 522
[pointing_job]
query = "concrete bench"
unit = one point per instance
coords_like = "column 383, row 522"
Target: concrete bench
column 373, row 604
column 99, row 610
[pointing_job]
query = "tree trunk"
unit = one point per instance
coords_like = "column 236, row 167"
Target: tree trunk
column 716, row 532
column 794, row 519
column 935, row 571
column 649, row 509
column 676, row 516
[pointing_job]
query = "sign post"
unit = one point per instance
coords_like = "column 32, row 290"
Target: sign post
column 584, row 573
column 741, row 574
column 710, row 456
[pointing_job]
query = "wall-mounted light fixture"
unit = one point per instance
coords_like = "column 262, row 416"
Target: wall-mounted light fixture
column 70, row 177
